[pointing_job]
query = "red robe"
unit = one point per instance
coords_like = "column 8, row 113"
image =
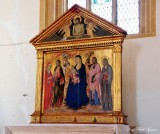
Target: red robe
column 48, row 90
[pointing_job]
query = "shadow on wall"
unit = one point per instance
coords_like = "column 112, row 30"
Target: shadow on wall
column 129, row 89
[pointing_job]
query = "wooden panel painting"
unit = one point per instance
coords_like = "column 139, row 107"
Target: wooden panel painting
column 78, row 81
column 79, row 70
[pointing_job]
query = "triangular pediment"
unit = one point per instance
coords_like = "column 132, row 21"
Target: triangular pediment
column 78, row 23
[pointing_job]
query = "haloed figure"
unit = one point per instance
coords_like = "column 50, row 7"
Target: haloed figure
column 48, row 87
column 66, row 70
column 58, row 77
column 106, row 82
column 76, row 94
column 94, row 82
column 78, row 28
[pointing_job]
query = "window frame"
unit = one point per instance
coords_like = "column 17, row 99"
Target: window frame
column 50, row 10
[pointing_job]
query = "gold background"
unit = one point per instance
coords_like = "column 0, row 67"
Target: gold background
column 99, row 53
column 53, row 56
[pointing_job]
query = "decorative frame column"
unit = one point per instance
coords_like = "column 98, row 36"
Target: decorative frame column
column 36, row 116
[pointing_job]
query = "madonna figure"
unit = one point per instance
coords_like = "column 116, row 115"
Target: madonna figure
column 76, row 94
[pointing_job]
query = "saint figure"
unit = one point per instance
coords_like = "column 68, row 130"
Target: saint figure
column 94, row 82
column 106, row 82
column 48, row 87
column 58, row 78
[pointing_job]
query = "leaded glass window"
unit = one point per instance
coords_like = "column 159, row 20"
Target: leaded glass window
column 128, row 15
column 103, row 8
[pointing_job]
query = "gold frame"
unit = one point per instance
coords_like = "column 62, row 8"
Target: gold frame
column 113, row 42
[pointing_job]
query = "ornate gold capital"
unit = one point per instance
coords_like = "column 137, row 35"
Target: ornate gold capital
column 118, row 48
column 39, row 54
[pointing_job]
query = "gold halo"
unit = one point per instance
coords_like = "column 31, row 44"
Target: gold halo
column 108, row 58
column 77, row 16
column 47, row 63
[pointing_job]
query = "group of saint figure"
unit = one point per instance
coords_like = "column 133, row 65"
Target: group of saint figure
column 79, row 85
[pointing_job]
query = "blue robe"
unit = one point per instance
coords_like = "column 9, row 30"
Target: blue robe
column 76, row 94
column 106, row 90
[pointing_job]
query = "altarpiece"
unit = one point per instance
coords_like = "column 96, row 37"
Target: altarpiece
column 79, row 73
